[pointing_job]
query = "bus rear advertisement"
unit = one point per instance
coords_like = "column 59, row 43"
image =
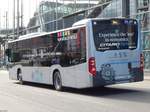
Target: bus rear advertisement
column 117, row 53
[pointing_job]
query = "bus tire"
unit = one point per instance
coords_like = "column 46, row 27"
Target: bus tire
column 19, row 76
column 57, row 81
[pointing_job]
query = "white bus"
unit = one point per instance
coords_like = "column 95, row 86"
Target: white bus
column 92, row 53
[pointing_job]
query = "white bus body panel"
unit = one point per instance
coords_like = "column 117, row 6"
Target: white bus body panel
column 75, row 76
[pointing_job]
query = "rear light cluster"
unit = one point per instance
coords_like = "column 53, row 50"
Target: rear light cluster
column 141, row 62
column 92, row 66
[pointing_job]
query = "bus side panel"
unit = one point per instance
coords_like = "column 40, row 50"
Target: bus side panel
column 76, row 76
column 37, row 74
column 44, row 75
column 68, row 75
column 83, row 77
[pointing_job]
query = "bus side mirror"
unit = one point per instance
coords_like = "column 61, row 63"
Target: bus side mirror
column 8, row 52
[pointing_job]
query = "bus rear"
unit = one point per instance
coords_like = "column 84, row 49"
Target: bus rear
column 115, row 54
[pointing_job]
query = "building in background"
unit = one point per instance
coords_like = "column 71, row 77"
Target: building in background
column 52, row 16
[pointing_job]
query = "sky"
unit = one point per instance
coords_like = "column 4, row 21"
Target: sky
column 29, row 7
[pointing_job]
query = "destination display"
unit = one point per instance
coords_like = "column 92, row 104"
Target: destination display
column 109, row 35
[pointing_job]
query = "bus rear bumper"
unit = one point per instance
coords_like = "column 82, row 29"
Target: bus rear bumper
column 99, row 80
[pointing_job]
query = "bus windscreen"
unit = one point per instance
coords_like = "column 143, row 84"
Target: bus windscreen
column 115, row 34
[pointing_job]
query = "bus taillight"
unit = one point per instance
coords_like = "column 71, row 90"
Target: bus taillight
column 141, row 62
column 92, row 66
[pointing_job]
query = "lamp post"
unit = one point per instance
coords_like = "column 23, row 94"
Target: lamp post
column 4, row 40
column 14, row 18
column 21, row 17
column 56, row 14
column 18, row 18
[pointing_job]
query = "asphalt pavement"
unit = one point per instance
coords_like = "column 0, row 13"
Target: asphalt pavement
column 133, row 97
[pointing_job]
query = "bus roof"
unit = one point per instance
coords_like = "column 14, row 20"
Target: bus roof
column 81, row 22
column 84, row 21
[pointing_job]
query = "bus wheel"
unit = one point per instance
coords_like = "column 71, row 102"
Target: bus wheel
column 20, row 77
column 57, row 81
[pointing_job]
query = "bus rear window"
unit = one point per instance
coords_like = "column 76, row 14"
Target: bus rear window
column 115, row 34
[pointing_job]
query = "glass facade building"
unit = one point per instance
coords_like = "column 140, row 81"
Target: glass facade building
column 52, row 15
column 63, row 13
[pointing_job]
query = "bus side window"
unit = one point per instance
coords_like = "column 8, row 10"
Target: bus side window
column 13, row 56
column 16, row 57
